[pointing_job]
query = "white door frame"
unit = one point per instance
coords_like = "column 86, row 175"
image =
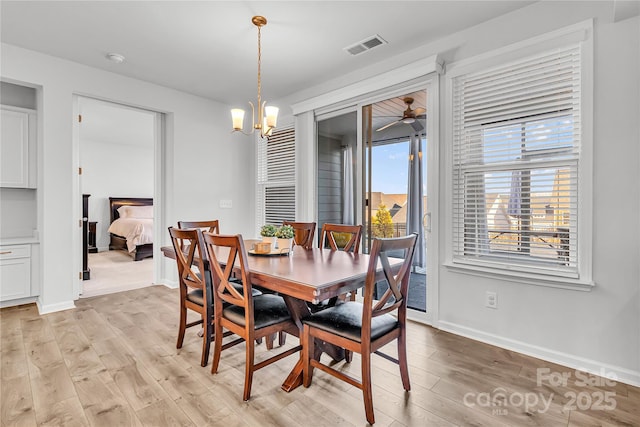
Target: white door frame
column 431, row 86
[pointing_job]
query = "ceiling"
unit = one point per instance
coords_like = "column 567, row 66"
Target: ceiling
column 209, row 48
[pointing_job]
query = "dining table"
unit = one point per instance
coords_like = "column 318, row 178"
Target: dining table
column 304, row 276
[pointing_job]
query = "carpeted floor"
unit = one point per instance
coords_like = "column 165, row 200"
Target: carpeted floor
column 116, row 271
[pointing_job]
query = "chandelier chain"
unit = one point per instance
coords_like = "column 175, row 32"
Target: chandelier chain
column 259, row 73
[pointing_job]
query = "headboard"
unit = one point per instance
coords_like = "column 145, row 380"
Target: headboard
column 117, row 202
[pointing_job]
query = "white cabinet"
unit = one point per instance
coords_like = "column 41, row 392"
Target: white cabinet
column 18, row 148
column 15, row 272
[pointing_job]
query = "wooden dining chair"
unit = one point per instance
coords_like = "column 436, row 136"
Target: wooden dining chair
column 247, row 316
column 196, row 292
column 304, row 233
column 341, row 237
column 208, row 226
column 365, row 327
column 212, row 226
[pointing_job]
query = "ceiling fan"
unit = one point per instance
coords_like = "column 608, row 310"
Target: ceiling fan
column 409, row 116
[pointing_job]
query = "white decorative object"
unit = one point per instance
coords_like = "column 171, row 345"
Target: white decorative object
column 285, row 244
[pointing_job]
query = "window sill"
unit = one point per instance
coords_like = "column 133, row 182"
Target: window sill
column 521, row 277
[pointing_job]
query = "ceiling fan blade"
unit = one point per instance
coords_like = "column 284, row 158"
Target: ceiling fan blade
column 388, row 125
column 419, row 111
column 417, row 126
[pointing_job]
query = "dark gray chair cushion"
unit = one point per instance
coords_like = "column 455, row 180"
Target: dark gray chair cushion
column 196, row 296
column 268, row 310
column 345, row 320
column 237, row 285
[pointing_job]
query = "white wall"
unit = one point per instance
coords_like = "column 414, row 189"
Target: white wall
column 113, row 170
column 203, row 162
column 597, row 329
column 18, row 212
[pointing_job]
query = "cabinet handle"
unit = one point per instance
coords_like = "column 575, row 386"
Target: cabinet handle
column 5, row 252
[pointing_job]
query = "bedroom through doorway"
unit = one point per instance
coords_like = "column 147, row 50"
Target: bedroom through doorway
column 116, row 181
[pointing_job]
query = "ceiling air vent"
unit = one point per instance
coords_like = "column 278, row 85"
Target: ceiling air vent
column 365, row 45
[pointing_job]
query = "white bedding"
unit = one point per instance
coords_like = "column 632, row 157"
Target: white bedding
column 137, row 231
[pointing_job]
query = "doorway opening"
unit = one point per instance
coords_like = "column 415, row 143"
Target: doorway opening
column 116, row 155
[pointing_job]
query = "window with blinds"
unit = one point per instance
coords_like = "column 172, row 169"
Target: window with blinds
column 516, row 135
column 276, row 178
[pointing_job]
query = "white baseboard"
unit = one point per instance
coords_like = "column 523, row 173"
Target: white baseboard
column 623, row 375
column 52, row 308
column 168, row 283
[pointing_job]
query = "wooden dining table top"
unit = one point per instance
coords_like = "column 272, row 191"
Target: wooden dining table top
column 311, row 275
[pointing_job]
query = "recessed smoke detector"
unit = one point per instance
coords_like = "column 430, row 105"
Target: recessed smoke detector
column 115, row 57
column 365, row 45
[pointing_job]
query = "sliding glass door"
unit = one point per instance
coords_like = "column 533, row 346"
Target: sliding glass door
column 394, row 141
column 372, row 170
column 336, row 184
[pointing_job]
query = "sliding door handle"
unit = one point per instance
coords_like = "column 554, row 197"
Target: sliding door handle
column 426, row 222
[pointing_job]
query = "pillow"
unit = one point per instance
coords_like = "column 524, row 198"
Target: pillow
column 136, row 211
column 123, row 211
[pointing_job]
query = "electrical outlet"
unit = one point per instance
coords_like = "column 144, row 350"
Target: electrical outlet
column 491, row 300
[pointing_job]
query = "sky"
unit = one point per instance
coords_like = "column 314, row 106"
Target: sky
column 390, row 165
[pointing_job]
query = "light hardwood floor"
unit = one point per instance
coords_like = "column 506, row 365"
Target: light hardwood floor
column 112, row 361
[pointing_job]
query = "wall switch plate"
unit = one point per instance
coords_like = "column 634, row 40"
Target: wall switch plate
column 491, row 300
column 226, row 204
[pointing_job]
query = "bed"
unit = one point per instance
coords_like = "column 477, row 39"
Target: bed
column 131, row 227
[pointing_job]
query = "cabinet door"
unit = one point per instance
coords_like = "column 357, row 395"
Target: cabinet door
column 15, row 278
column 14, row 149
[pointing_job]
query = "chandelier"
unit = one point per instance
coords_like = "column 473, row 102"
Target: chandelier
column 267, row 116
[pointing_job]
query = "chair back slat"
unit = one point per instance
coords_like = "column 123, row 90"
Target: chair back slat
column 188, row 246
column 395, row 297
column 331, row 231
column 304, row 232
column 224, row 290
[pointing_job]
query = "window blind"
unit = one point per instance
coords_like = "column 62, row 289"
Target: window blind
column 516, row 149
column 276, row 178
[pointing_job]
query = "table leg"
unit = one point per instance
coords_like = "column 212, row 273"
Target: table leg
column 300, row 310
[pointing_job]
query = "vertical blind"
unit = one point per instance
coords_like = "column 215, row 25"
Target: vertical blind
column 516, row 135
column 276, row 178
